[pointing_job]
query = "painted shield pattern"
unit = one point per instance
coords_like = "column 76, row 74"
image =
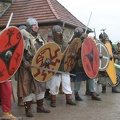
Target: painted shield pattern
column 71, row 54
column 111, row 68
column 104, row 56
column 90, row 57
column 47, row 56
column 11, row 52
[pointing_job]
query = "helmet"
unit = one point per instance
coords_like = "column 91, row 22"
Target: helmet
column 56, row 29
column 78, row 30
column 57, row 37
column 31, row 21
column 103, row 35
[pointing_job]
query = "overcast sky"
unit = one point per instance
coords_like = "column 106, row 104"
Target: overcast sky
column 105, row 15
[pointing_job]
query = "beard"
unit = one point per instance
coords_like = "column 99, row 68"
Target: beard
column 58, row 38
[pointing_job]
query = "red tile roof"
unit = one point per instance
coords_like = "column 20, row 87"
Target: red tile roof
column 42, row 10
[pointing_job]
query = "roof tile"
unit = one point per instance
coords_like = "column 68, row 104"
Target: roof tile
column 42, row 10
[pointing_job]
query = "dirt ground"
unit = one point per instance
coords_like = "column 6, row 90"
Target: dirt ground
column 88, row 109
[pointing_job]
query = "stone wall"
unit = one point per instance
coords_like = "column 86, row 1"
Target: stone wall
column 45, row 30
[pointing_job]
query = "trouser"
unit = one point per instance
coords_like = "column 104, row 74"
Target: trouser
column 48, row 84
column 91, row 83
column 77, row 85
column 38, row 97
column 5, row 95
column 55, row 84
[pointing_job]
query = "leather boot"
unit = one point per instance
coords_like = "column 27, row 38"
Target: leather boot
column 69, row 100
column 8, row 116
column 40, row 108
column 28, row 109
column 103, row 89
column 87, row 89
column 77, row 97
column 47, row 94
column 53, row 100
column 20, row 102
column 94, row 96
column 114, row 90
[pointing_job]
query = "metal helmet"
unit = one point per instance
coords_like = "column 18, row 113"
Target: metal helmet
column 78, row 32
column 30, row 22
column 103, row 35
column 57, row 37
column 56, row 29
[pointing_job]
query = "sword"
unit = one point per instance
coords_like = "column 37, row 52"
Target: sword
column 56, row 71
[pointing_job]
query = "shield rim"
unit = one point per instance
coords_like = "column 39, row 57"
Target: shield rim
column 89, row 37
column 9, row 78
column 35, row 57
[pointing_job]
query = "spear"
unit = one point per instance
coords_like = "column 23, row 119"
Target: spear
column 9, row 20
column 88, row 23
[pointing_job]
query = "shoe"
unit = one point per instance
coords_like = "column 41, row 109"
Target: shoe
column 20, row 102
column 8, row 116
column 89, row 93
column 42, row 110
column 70, row 102
column 78, row 98
column 94, row 96
column 114, row 90
column 28, row 110
column 53, row 104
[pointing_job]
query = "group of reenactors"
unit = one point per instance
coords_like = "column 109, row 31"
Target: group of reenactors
column 28, row 85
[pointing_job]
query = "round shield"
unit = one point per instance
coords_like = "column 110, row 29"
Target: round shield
column 71, row 54
column 103, row 55
column 111, row 68
column 11, row 52
column 90, row 57
column 47, row 56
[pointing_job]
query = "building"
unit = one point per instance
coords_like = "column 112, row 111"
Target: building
column 47, row 12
